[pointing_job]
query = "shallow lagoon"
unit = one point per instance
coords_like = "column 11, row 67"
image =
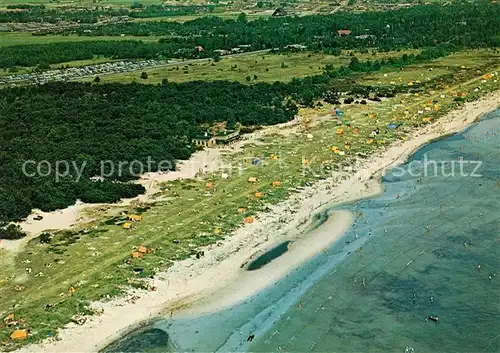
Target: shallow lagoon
column 427, row 246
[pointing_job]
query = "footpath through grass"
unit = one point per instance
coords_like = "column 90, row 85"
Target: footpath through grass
column 56, row 276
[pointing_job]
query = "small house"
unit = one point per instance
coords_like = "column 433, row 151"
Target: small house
column 206, row 140
column 279, row 13
column 344, row 32
column 226, row 136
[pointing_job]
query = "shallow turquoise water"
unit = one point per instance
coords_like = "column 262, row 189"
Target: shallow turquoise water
column 412, row 253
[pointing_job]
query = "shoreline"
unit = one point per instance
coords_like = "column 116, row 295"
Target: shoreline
column 244, row 283
column 189, row 280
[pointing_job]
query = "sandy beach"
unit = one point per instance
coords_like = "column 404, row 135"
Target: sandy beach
column 219, row 272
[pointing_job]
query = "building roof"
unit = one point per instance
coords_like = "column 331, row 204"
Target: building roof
column 344, row 32
column 279, row 12
column 206, row 136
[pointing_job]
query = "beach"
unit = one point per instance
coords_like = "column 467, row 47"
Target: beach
column 220, row 269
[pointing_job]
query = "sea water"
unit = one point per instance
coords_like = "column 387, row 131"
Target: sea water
column 428, row 246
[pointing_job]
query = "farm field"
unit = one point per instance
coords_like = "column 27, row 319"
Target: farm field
column 70, row 268
column 247, row 68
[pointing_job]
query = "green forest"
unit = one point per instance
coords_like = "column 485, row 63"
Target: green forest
column 88, row 124
column 468, row 26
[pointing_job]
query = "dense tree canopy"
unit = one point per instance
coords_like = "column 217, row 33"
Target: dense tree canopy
column 85, row 125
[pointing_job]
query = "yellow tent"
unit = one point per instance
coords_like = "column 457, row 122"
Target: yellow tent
column 371, row 115
column 340, row 131
column 142, row 249
column 217, row 230
column 426, row 120
column 252, row 180
column 19, row 335
column 135, row 218
column 127, row 225
column 305, row 161
column 71, row 290
column 369, row 141
column 241, row 210
column 335, row 149
column 274, row 157
column 259, row 194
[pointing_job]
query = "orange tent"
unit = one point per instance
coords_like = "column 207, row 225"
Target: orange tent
column 19, row 335
column 209, row 185
column 259, row 195
column 276, row 183
column 355, row 131
column 248, row 220
column 142, row 250
column 241, row 210
column 371, row 115
column 71, row 290
column 305, row 161
column 136, row 255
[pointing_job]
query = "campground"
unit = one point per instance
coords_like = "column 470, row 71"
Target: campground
column 52, row 278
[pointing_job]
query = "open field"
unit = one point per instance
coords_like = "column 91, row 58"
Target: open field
column 75, row 63
column 46, row 283
column 249, row 68
column 78, row 3
column 433, row 69
column 185, row 18
column 24, row 38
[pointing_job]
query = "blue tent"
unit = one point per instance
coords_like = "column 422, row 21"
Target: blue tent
column 393, row 126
